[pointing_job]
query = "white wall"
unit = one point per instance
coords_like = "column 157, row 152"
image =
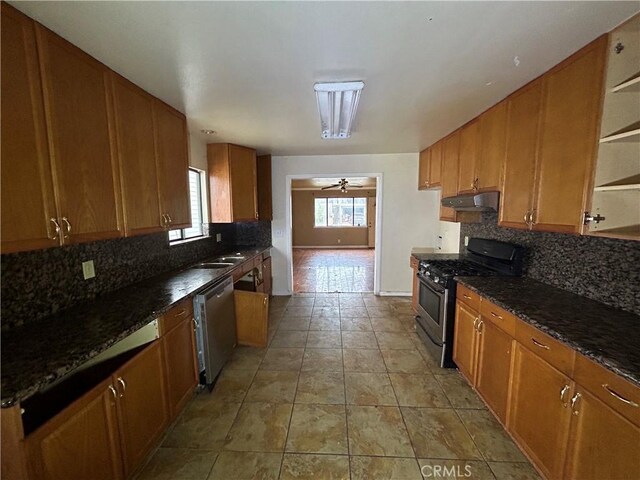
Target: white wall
column 197, row 153
column 450, row 233
column 409, row 216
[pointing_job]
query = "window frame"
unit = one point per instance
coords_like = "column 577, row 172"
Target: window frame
column 353, row 207
column 181, row 232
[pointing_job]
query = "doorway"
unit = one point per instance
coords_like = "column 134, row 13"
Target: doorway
column 333, row 234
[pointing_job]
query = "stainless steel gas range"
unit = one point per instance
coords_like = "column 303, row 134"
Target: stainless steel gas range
column 437, row 289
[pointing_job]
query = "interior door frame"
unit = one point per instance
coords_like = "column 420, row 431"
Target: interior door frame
column 289, row 222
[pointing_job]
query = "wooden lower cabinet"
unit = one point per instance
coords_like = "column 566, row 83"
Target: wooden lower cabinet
column 415, row 289
column 252, row 318
column 180, row 365
column 266, row 275
column 464, row 341
column 80, row 443
column 602, row 443
column 540, row 414
column 494, row 367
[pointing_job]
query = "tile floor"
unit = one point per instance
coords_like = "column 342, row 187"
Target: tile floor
column 345, row 390
column 329, row 270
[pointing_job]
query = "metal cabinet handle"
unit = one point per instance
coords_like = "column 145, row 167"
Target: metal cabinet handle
column 164, row 219
column 466, row 296
column 526, row 217
column 195, row 323
column 480, row 324
column 170, row 219
column 531, row 215
column 264, row 301
column 538, row 344
column 563, row 392
column 574, row 402
column 475, row 323
column 497, row 316
column 181, row 312
column 124, row 386
column 57, row 228
column 113, row 391
column 68, row 224
column 618, row 396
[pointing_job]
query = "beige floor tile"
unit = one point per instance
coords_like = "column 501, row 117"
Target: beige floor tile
column 394, row 340
column 327, row 301
column 325, row 312
column 301, row 302
column 326, row 323
column 387, row 468
column 363, row 360
column 245, row 358
column 514, row 471
column 322, row 360
column 404, row 361
column 260, row 427
column 282, row 359
column 439, row 433
column 347, row 312
column 355, row 324
column 350, row 302
column 297, row 311
column 489, row 436
column 456, row 469
column 458, row 391
column 203, row 425
column 311, row 467
column 359, row 340
column 369, row 389
column 418, row 390
column 324, row 339
column 273, row 387
column 289, row 339
column 320, row 388
column 232, row 385
column 178, row 463
column 294, row 323
column 387, row 324
column 377, row 431
column 318, row 429
column 379, row 310
column 246, row 466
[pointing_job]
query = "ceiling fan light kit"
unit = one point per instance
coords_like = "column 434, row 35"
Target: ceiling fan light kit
column 342, row 184
column 337, row 105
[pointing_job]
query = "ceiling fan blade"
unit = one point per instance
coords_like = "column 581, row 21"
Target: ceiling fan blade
column 330, row 186
column 354, row 186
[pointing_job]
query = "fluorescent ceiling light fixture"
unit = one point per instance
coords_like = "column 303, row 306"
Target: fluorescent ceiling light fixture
column 337, row 104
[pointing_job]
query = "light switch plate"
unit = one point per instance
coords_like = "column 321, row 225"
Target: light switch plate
column 218, row 237
column 88, row 270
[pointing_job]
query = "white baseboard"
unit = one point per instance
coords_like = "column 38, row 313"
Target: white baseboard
column 333, row 247
column 395, row 294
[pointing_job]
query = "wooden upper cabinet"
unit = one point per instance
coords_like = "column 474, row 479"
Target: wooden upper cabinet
column 79, row 117
column 233, row 183
column 569, row 131
column 518, row 182
column 492, row 139
column 27, row 190
column 423, row 169
column 435, row 165
column 265, row 203
column 172, row 153
column 469, row 143
column 450, row 173
column 133, row 112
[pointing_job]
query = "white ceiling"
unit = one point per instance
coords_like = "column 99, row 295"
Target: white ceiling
column 247, row 69
column 318, row 183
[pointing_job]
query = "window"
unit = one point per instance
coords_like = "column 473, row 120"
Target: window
column 340, row 212
column 197, row 217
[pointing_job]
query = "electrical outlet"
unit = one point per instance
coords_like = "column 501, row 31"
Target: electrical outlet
column 88, row 270
column 466, row 241
column 339, row 241
column 218, row 237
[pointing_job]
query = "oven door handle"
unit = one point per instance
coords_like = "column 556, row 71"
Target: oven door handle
column 437, row 342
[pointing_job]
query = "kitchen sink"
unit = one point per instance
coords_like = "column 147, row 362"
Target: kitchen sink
column 214, row 265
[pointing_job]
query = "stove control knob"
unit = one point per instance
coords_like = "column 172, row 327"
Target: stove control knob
column 428, row 274
column 436, row 279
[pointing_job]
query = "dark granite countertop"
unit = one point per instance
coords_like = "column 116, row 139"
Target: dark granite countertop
column 35, row 355
column 608, row 336
column 436, row 256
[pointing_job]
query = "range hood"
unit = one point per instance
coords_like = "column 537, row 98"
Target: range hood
column 473, row 202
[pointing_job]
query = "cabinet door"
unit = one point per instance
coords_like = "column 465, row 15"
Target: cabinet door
column 494, row 367
column 266, row 274
column 180, row 365
column 79, row 443
column 469, row 143
column 252, row 318
column 142, row 402
column 423, row 169
column 265, row 204
column 242, row 168
column 435, row 165
column 464, row 341
column 172, row 164
column 27, row 190
column 539, row 414
column 602, row 443
column 133, row 112
column 449, row 173
column 493, row 135
column 81, row 141
column 568, row 139
column 516, row 199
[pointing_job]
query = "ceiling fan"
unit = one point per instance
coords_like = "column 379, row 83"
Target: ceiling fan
column 342, row 184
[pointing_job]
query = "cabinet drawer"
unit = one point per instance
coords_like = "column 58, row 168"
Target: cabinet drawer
column 173, row 317
column 552, row 351
column 470, row 298
column 615, row 391
column 499, row 317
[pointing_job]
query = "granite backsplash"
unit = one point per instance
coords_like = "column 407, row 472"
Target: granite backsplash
column 602, row 269
column 37, row 284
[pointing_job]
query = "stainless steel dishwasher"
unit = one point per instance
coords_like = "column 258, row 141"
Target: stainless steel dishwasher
column 215, row 330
